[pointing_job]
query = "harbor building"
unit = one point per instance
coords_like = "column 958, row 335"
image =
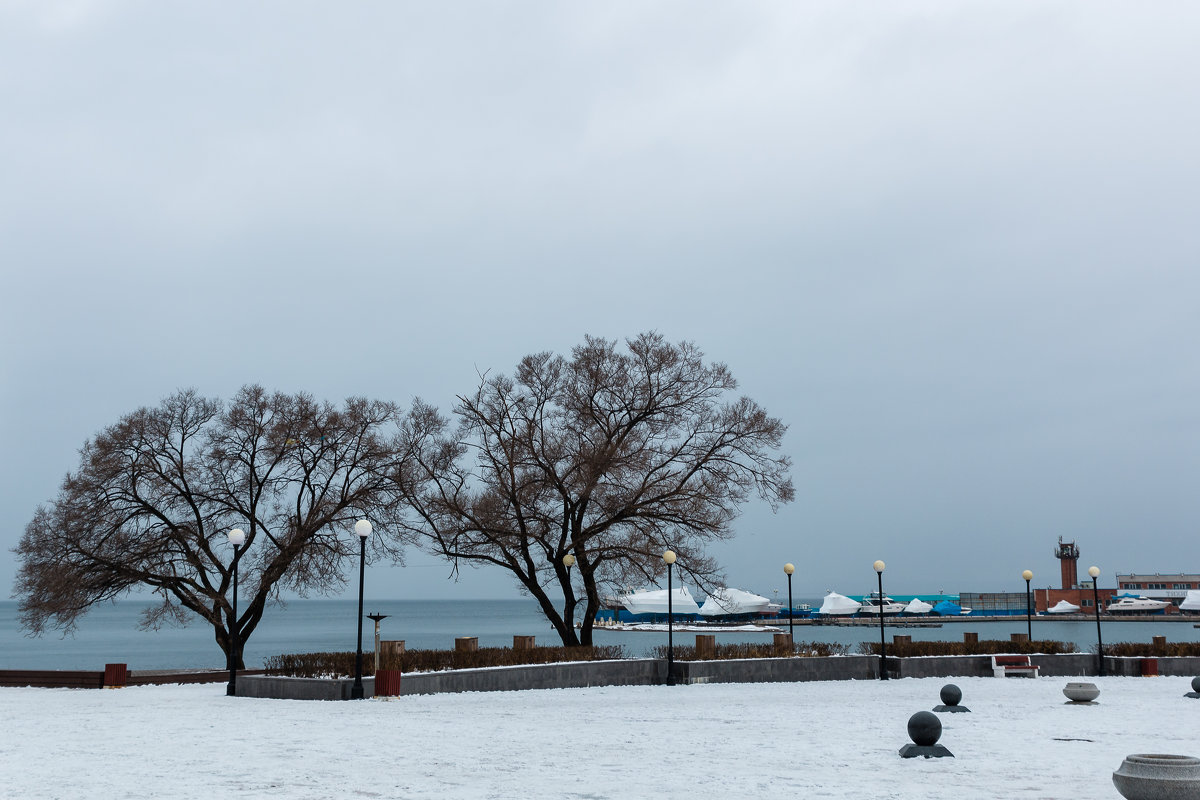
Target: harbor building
column 1158, row 586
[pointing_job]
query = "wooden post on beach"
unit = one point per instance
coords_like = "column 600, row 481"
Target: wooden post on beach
column 783, row 641
column 898, row 639
column 706, row 645
column 1018, row 637
column 1158, row 641
column 523, row 642
column 466, row 644
column 970, row 638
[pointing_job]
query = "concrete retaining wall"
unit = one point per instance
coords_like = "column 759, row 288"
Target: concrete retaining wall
column 651, row 672
column 632, row 672
column 777, row 670
column 300, row 688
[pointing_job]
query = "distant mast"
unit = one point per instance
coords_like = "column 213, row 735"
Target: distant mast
column 1067, row 554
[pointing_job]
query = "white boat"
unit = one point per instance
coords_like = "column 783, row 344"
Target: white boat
column 872, row 605
column 1191, row 602
column 838, row 605
column 655, row 602
column 733, row 602
column 1136, row 604
column 918, row 606
column 1063, row 607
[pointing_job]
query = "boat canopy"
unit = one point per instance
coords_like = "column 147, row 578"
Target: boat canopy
column 917, row 606
column 1191, row 602
column 1063, row 607
column 947, row 609
column 835, row 603
column 725, row 602
column 655, row 602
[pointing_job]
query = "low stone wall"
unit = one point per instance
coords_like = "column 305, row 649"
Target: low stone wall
column 778, row 670
column 576, row 675
column 1172, row 666
column 300, row 688
column 652, row 672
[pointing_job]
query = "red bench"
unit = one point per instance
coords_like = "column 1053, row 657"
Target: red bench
column 1019, row 666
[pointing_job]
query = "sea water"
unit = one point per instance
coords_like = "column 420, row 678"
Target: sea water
column 109, row 633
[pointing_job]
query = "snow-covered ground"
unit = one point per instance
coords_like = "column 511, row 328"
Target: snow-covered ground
column 780, row 740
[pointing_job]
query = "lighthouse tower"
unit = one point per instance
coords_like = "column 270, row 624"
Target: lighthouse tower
column 1067, row 555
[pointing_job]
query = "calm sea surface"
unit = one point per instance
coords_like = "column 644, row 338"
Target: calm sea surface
column 109, row 633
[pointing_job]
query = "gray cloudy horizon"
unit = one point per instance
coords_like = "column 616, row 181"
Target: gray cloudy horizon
column 952, row 246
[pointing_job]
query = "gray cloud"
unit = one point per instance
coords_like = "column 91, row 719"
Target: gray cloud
column 953, row 246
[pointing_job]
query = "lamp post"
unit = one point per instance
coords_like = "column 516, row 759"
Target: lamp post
column 363, row 529
column 1095, row 573
column 237, row 537
column 879, row 565
column 788, row 570
column 1028, row 576
column 669, row 558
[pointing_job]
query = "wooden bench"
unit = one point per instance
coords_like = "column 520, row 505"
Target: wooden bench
column 1020, row 666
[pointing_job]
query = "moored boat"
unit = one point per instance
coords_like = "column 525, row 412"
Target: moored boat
column 1136, row 604
column 655, row 602
column 727, row 602
column 838, row 605
column 873, row 605
column 917, row 606
column 1063, row 607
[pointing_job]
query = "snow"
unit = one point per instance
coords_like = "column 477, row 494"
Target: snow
column 707, row 627
column 812, row 740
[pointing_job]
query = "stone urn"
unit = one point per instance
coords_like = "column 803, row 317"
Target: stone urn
column 1081, row 692
column 1155, row 776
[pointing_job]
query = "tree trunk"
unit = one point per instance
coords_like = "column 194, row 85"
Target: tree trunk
column 565, row 632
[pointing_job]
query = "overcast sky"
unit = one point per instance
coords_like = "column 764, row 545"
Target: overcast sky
column 954, row 246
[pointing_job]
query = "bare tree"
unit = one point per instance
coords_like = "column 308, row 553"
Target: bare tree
column 156, row 494
column 609, row 456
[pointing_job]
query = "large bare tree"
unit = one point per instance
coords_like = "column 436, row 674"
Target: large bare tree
column 155, row 495
column 609, row 456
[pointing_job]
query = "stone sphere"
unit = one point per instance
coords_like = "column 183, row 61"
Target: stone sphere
column 951, row 694
column 924, row 728
column 1196, row 684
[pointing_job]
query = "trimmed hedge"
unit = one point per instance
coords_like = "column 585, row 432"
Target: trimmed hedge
column 1149, row 650
column 987, row 647
column 320, row 665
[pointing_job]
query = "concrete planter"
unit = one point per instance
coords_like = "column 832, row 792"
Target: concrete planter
column 1155, row 776
column 1081, row 692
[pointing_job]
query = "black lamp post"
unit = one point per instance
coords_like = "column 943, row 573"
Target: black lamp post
column 363, row 529
column 1095, row 573
column 789, row 569
column 1028, row 576
column 237, row 537
column 879, row 565
column 669, row 557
